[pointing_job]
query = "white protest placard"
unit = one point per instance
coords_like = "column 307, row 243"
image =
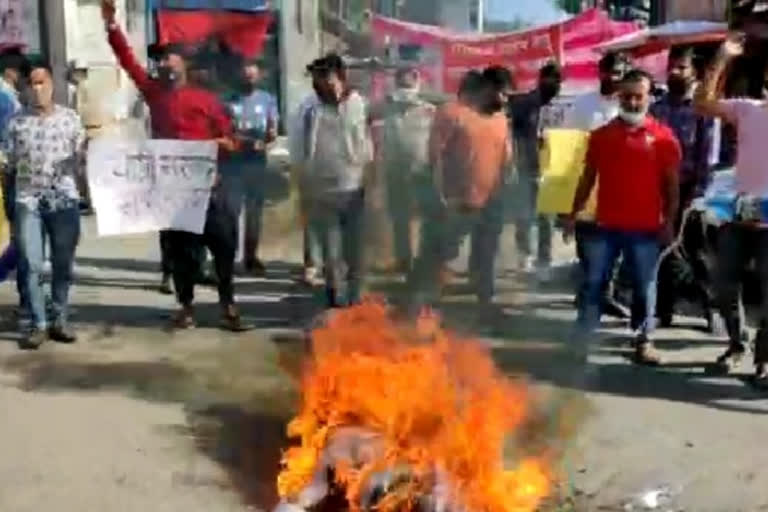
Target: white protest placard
column 140, row 186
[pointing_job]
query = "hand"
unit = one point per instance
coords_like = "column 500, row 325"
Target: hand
column 667, row 234
column 733, row 46
column 108, row 10
column 259, row 146
column 216, row 181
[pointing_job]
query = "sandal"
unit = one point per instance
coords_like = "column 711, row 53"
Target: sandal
column 183, row 320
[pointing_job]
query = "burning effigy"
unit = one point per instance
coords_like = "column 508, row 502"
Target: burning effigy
column 406, row 417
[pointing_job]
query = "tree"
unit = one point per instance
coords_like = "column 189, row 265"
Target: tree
column 569, row 6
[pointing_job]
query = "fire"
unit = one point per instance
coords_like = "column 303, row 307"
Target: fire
column 435, row 404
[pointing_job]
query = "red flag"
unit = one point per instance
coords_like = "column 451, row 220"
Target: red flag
column 244, row 33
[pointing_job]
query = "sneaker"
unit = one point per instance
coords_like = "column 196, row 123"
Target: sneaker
column 761, row 376
column 545, row 274
column 165, row 285
column 526, row 264
column 645, row 353
column 61, row 334
column 33, row 340
column 311, row 277
column 730, row 360
column 255, row 268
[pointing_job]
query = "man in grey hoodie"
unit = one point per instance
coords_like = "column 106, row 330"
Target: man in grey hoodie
column 336, row 154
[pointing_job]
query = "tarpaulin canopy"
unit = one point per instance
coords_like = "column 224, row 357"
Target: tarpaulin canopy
column 244, row 33
column 570, row 43
column 655, row 39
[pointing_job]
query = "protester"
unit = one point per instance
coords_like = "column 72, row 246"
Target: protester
column 187, row 112
column 255, row 116
column 80, row 101
column 696, row 135
column 589, row 112
column 297, row 141
column 337, row 155
column 406, row 119
column 14, row 71
column 43, row 145
column 747, row 236
column 635, row 159
column 525, row 117
column 469, row 149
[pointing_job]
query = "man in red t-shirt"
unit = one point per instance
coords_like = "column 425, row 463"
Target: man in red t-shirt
column 636, row 160
column 184, row 111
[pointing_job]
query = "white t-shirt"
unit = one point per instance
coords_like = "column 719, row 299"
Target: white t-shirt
column 591, row 111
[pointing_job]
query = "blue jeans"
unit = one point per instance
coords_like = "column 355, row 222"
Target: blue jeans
column 526, row 218
column 338, row 222
column 62, row 228
column 641, row 251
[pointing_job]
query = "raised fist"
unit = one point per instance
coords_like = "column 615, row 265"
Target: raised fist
column 108, row 11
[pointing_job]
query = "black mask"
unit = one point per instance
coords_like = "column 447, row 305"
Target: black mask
column 166, row 74
column 607, row 87
column 549, row 91
column 677, row 86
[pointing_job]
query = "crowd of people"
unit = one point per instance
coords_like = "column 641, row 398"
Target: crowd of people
column 449, row 165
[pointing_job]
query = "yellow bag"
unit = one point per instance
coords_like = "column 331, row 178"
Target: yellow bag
column 562, row 164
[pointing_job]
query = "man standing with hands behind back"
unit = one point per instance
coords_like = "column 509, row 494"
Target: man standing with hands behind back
column 183, row 111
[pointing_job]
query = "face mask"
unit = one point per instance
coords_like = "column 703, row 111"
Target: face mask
column 166, row 74
column 42, row 96
column 549, row 91
column 633, row 118
column 677, row 86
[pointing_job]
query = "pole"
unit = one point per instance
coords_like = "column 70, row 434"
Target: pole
column 481, row 16
column 55, row 47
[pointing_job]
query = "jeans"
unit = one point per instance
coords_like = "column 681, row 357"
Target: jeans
column 62, row 228
column 338, row 222
column 737, row 245
column 641, row 251
column 526, row 196
column 253, row 187
column 442, row 237
column 220, row 237
column 406, row 191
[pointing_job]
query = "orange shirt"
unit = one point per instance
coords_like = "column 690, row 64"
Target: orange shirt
column 471, row 149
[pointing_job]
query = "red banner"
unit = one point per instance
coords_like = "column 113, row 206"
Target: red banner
column 523, row 53
column 244, row 33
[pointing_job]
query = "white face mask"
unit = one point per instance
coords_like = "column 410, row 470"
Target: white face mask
column 633, row 118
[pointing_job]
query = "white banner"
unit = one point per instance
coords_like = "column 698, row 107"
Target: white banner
column 150, row 185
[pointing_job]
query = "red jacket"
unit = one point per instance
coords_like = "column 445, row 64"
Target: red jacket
column 186, row 113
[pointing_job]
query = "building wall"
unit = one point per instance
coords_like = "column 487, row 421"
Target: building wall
column 112, row 99
column 299, row 44
column 714, row 10
column 454, row 14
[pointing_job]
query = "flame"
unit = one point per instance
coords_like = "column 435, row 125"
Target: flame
column 438, row 403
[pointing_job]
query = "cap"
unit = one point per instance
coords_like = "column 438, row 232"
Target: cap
column 78, row 64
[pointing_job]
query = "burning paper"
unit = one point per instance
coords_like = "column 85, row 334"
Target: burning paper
column 405, row 418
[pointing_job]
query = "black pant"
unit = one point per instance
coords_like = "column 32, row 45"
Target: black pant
column 220, row 236
column 670, row 283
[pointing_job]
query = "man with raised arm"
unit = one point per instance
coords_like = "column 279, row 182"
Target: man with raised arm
column 180, row 110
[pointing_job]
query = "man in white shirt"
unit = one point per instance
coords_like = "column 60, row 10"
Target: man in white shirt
column 590, row 112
